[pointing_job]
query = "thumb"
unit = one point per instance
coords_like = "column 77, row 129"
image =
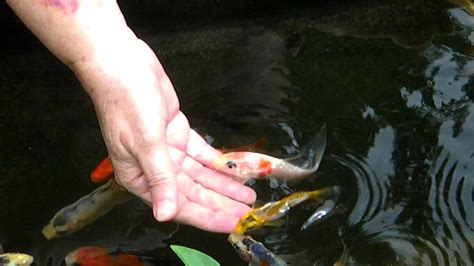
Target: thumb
column 160, row 174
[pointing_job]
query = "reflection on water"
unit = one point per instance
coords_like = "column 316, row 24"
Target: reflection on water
column 397, row 103
column 373, row 175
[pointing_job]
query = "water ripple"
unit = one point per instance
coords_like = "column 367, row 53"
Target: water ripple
column 373, row 175
column 452, row 185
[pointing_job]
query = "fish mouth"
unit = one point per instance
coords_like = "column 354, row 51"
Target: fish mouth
column 237, row 242
column 235, row 238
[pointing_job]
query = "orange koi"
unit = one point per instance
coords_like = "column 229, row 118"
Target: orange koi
column 98, row 256
column 247, row 165
column 103, row 172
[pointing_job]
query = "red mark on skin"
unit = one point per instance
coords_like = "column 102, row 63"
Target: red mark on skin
column 265, row 167
column 66, row 6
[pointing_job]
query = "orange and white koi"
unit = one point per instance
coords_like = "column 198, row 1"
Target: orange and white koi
column 86, row 210
column 270, row 213
column 247, row 165
column 98, row 256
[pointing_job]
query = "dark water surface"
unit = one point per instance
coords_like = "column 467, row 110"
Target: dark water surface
column 392, row 80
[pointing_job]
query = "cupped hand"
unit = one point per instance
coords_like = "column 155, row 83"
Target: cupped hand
column 154, row 152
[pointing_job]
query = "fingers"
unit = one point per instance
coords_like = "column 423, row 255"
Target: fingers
column 198, row 148
column 181, row 136
column 196, row 215
column 160, row 174
column 202, row 216
column 218, row 182
column 197, row 153
column 209, row 198
column 177, row 131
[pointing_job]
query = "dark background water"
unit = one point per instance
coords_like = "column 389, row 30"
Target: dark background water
column 391, row 80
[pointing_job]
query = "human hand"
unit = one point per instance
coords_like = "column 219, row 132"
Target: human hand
column 136, row 105
column 141, row 124
column 204, row 194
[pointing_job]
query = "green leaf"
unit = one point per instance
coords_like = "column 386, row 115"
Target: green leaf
column 192, row 257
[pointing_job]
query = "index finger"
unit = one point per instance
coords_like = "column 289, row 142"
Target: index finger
column 200, row 150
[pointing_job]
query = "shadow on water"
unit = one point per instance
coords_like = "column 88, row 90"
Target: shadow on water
column 391, row 80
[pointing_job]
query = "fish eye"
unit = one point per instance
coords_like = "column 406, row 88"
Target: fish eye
column 231, row 164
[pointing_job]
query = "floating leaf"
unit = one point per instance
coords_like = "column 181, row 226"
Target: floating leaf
column 192, row 257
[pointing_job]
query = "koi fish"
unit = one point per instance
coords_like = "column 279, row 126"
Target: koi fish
column 253, row 251
column 270, row 213
column 15, row 259
column 86, row 210
column 98, row 256
column 467, row 4
column 247, row 165
column 103, row 172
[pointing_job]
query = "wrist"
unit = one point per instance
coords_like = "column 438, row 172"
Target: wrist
column 129, row 67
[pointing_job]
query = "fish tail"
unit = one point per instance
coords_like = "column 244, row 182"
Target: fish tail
column 317, row 147
column 326, row 193
column 311, row 154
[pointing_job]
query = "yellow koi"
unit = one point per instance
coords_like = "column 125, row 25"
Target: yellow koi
column 271, row 212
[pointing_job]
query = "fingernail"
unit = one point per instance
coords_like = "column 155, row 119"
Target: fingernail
column 164, row 211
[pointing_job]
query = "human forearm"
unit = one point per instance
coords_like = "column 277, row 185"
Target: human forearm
column 76, row 30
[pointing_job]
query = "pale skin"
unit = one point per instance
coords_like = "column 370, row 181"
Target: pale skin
column 155, row 154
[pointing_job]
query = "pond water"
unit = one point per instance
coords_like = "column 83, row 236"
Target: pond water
column 390, row 79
